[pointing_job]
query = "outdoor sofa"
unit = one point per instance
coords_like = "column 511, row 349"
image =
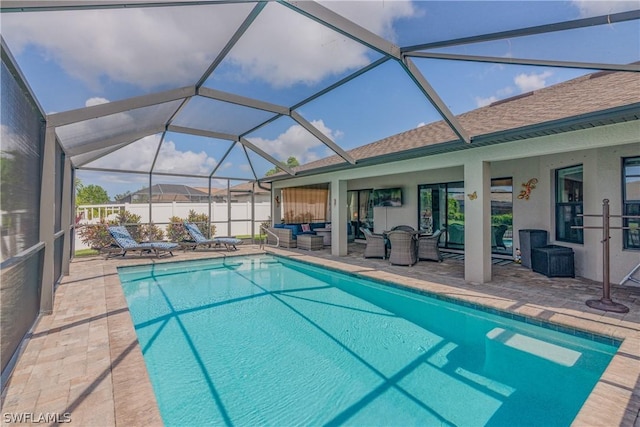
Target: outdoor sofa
column 288, row 233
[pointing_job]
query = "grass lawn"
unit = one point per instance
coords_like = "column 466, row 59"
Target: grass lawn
column 86, row 252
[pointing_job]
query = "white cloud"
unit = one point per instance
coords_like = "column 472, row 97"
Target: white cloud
column 149, row 47
column 95, row 101
column 483, row 102
column 145, row 46
column 376, row 16
column 140, row 154
column 533, row 81
column 590, row 8
column 421, row 124
column 296, row 141
column 505, row 91
column 172, row 160
column 298, row 50
column 500, row 94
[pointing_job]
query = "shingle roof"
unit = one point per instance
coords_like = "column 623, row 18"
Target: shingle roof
column 246, row 186
column 176, row 189
column 592, row 93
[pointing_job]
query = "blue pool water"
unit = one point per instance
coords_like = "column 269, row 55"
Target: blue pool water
column 268, row 341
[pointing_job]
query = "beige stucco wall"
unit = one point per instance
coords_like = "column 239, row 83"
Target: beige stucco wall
column 600, row 150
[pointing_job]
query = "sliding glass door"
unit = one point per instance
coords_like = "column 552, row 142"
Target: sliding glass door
column 502, row 216
column 360, row 210
column 442, row 206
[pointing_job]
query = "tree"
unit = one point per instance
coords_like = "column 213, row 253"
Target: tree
column 291, row 162
column 90, row 194
column 119, row 197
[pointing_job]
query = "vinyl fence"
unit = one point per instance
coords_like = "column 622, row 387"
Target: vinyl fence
column 239, row 219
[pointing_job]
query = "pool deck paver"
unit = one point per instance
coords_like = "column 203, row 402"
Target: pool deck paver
column 84, row 358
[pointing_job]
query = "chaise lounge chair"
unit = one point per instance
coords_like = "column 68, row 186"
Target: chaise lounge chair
column 199, row 239
column 127, row 243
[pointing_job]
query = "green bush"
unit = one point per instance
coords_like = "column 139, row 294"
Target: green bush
column 151, row 232
column 202, row 220
column 96, row 236
column 176, row 231
column 132, row 223
column 506, row 219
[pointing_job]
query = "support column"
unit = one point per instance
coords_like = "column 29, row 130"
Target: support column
column 68, row 215
column 338, row 218
column 477, row 226
column 47, row 219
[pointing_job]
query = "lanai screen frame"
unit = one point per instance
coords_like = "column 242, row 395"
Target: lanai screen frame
column 78, row 157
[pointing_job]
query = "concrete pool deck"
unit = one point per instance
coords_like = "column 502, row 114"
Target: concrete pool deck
column 84, row 359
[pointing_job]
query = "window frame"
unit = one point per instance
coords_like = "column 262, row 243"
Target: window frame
column 576, row 208
column 629, row 206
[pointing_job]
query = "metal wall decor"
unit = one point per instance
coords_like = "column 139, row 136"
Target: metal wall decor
column 528, row 186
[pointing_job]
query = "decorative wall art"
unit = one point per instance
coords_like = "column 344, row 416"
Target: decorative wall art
column 528, row 186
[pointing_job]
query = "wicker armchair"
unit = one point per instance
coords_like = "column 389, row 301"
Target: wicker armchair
column 403, row 248
column 403, row 228
column 428, row 247
column 498, row 234
column 376, row 247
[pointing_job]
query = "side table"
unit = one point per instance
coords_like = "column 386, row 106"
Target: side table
column 326, row 235
column 310, row 242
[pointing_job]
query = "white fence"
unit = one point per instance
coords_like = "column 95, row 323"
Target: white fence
column 239, row 225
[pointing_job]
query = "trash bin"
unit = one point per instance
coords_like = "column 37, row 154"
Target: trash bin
column 529, row 240
column 553, row 261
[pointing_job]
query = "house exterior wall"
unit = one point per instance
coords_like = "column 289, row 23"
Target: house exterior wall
column 599, row 150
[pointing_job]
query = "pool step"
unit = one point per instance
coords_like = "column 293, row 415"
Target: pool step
column 533, row 346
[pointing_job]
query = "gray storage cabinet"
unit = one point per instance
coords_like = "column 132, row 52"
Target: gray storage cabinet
column 529, row 240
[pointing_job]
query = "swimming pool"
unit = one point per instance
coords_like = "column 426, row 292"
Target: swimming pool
column 265, row 340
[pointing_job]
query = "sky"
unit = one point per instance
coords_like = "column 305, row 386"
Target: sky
column 74, row 59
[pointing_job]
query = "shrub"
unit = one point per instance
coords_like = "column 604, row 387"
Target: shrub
column 203, row 222
column 506, row 219
column 176, row 231
column 96, row 236
column 151, row 232
column 132, row 222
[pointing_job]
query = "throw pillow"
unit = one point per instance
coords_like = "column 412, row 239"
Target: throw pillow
column 306, row 227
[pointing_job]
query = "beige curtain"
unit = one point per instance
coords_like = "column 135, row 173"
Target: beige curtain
column 301, row 205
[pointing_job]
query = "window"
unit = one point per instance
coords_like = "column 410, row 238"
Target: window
column 569, row 194
column 631, row 202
